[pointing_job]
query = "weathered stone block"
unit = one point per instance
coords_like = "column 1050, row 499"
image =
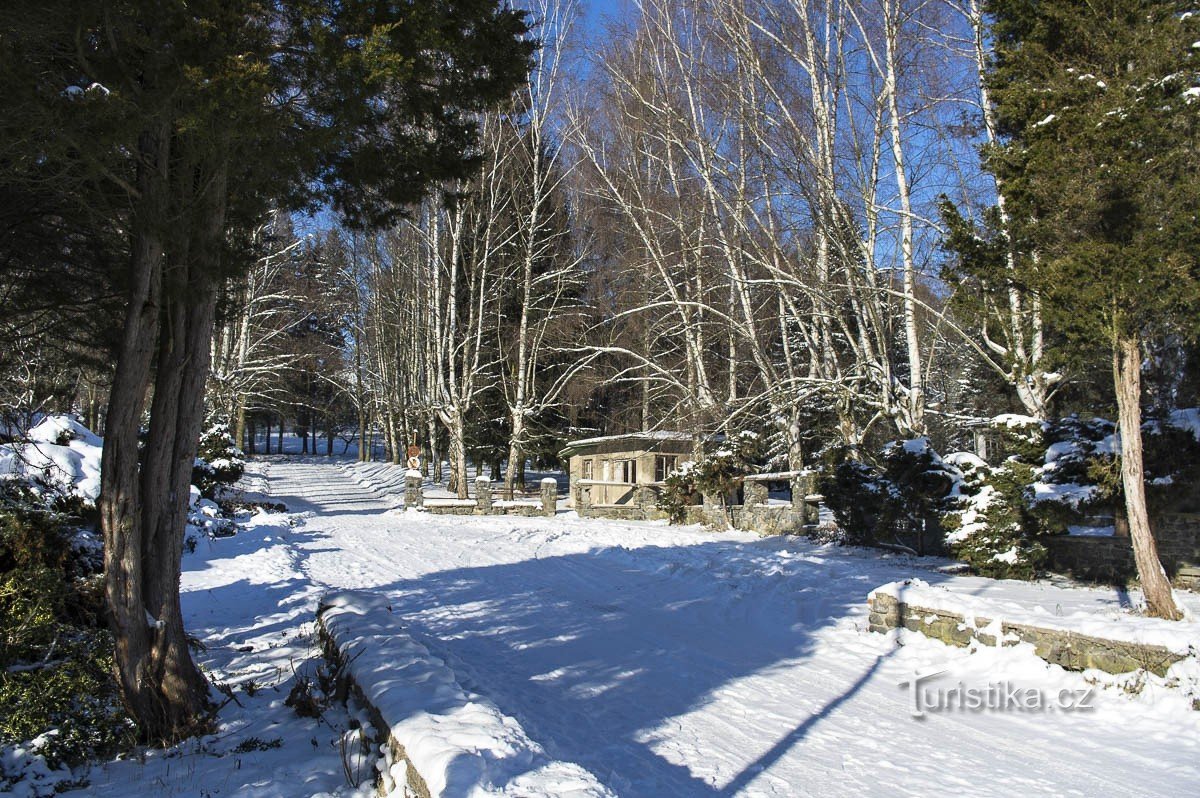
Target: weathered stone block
column 755, row 494
column 1060, row 647
column 549, row 488
column 483, row 495
column 413, row 496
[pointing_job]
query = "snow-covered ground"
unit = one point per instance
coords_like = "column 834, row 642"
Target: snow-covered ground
column 666, row 661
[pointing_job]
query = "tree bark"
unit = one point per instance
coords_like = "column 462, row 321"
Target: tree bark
column 1127, row 376
column 143, row 509
column 120, row 495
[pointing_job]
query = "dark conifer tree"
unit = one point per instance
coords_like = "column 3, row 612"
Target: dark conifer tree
column 193, row 119
column 1097, row 107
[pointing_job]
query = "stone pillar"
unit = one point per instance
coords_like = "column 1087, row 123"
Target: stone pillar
column 413, row 497
column 647, row 498
column 802, row 485
column 583, row 503
column 754, row 493
column 483, row 495
column 549, row 495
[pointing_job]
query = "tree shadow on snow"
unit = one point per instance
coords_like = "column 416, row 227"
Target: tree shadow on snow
column 601, row 655
column 598, row 653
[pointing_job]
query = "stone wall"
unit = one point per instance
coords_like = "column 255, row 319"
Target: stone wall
column 622, row 512
column 1110, row 559
column 763, row 519
column 391, row 748
column 1072, row 651
column 483, row 503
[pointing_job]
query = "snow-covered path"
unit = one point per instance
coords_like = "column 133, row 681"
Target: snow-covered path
column 673, row 661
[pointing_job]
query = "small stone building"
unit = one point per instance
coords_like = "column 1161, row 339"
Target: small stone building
column 613, row 467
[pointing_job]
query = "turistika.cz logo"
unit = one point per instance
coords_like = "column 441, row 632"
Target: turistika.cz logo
column 1002, row 696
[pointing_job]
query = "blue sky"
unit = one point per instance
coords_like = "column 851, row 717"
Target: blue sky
column 597, row 11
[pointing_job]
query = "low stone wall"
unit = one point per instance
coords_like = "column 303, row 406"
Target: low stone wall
column 623, row 512
column 392, row 748
column 436, row 737
column 1110, row 559
column 756, row 515
column 483, row 503
column 1092, row 559
column 763, row 519
column 1070, row 650
column 771, row 519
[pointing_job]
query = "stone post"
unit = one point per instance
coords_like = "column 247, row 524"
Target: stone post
column 647, row 499
column 483, row 495
column 754, row 493
column 413, row 497
column 583, row 501
column 549, row 495
column 715, row 513
column 802, row 485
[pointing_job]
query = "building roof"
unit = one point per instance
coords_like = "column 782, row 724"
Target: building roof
column 576, row 447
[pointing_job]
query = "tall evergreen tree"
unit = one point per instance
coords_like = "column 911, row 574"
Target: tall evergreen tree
column 1096, row 106
column 195, row 118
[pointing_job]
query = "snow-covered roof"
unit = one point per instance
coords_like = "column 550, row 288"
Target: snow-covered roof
column 633, row 438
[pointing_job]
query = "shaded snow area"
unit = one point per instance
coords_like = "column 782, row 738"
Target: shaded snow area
column 662, row 661
column 459, row 742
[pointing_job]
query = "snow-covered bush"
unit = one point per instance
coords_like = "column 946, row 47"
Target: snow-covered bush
column 1000, row 514
column 896, row 502
column 990, row 526
column 206, row 518
column 719, row 473
column 862, row 500
column 1079, row 474
column 58, row 457
column 679, row 492
column 1004, row 512
column 219, row 462
column 1022, row 437
column 58, row 700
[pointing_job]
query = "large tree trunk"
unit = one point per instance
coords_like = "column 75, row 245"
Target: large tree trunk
column 456, row 430
column 1127, row 376
column 515, row 472
column 120, row 495
column 143, row 510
